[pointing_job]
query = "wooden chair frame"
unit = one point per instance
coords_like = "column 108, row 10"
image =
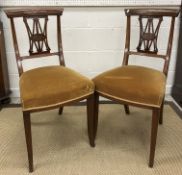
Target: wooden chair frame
column 36, row 13
column 157, row 113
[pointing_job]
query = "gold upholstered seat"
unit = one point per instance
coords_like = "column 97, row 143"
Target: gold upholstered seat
column 135, row 84
column 52, row 85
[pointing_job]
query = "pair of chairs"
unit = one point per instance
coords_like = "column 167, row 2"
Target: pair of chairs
column 56, row 86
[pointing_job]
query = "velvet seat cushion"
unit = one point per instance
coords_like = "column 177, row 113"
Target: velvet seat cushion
column 52, row 85
column 134, row 84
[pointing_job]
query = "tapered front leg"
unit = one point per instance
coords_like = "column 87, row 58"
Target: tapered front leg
column 127, row 110
column 28, row 137
column 90, row 119
column 60, row 110
column 161, row 113
column 154, row 128
column 96, row 112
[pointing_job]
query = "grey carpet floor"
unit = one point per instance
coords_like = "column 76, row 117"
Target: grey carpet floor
column 61, row 145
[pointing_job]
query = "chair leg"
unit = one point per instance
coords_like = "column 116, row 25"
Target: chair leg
column 155, row 119
column 60, row 110
column 96, row 111
column 28, row 136
column 126, row 108
column 90, row 119
column 161, row 114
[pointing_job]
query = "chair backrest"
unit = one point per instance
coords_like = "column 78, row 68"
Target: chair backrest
column 36, row 20
column 149, row 23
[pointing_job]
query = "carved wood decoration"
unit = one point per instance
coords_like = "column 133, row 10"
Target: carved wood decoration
column 37, row 35
column 148, row 34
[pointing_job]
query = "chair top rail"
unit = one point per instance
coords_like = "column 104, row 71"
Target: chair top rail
column 32, row 12
column 152, row 12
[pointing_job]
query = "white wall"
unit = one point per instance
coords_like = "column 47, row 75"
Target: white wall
column 93, row 42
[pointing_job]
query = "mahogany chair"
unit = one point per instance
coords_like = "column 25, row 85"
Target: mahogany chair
column 47, row 87
column 139, row 85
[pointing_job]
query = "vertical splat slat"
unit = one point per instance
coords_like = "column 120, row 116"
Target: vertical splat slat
column 148, row 34
column 37, row 35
